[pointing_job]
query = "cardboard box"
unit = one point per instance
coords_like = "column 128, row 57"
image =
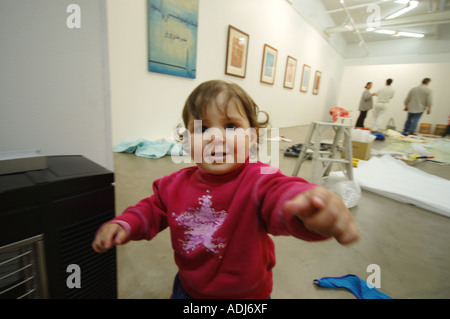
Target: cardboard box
column 361, row 150
column 425, row 128
column 440, row 129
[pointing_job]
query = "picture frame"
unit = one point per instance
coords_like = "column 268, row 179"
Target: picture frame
column 306, row 71
column 289, row 74
column 172, row 37
column 269, row 64
column 237, row 52
column 317, row 79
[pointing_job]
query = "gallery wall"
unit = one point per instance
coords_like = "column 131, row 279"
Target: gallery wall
column 405, row 76
column 148, row 105
column 54, row 94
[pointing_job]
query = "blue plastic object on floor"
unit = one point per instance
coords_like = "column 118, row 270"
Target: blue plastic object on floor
column 379, row 136
column 360, row 288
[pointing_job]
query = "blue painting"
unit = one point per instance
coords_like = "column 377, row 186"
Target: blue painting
column 270, row 59
column 172, row 37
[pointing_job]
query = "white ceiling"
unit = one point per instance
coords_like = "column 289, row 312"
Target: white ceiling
column 430, row 17
column 347, row 22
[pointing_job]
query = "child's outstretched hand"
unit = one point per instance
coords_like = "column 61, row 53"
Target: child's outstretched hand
column 324, row 213
column 108, row 236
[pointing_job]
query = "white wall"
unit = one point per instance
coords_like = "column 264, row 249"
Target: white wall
column 53, row 80
column 148, row 105
column 405, row 76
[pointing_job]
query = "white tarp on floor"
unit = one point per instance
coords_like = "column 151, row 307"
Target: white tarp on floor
column 397, row 180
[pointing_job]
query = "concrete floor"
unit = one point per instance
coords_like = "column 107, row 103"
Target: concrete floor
column 409, row 244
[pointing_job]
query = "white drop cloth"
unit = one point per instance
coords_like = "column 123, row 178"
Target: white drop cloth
column 397, row 180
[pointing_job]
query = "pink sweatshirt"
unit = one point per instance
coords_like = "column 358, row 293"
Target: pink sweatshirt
column 219, row 227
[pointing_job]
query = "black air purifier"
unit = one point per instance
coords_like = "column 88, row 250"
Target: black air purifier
column 48, row 219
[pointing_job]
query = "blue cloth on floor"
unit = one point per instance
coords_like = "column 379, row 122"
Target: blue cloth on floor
column 150, row 149
column 360, row 288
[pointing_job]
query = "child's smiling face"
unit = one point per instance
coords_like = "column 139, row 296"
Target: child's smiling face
column 219, row 154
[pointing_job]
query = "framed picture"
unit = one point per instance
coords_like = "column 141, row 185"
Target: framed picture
column 237, row 50
column 317, row 79
column 305, row 78
column 269, row 64
column 289, row 75
column 172, row 37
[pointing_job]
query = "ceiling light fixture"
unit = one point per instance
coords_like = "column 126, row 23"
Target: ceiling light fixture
column 412, row 4
column 400, row 33
column 411, row 34
column 390, row 32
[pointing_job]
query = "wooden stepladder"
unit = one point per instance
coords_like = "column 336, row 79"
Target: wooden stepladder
column 322, row 161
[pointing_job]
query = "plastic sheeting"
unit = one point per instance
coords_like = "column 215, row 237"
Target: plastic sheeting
column 348, row 191
column 150, row 149
column 397, row 180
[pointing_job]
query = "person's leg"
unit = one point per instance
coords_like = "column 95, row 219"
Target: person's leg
column 380, row 123
column 358, row 121
column 375, row 115
column 407, row 127
column 364, row 118
column 178, row 291
column 447, row 131
column 361, row 118
column 414, row 121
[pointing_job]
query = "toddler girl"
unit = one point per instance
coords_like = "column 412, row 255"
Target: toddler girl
column 221, row 210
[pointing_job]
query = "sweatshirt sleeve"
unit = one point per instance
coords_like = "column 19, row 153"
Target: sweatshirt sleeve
column 145, row 219
column 273, row 190
column 408, row 98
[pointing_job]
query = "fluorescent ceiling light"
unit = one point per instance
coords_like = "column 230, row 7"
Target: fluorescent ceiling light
column 411, row 34
column 385, row 31
column 400, row 33
column 412, row 5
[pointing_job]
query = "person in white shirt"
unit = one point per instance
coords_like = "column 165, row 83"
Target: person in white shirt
column 380, row 107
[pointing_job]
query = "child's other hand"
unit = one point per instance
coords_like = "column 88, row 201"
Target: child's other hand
column 324, row 213
column 108, row 236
